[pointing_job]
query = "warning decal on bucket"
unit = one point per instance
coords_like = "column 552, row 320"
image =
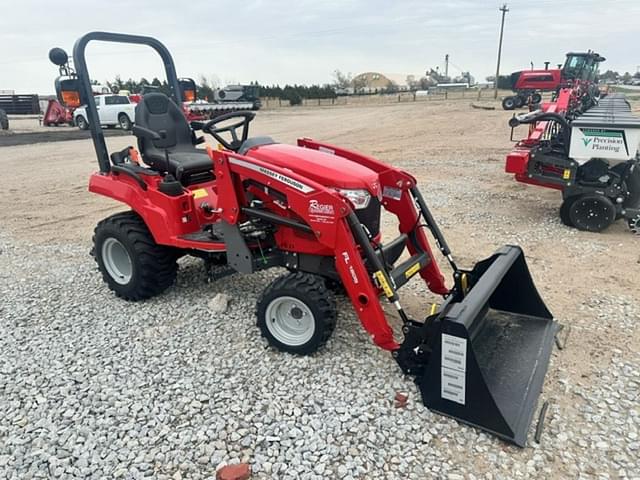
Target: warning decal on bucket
column 453, row 368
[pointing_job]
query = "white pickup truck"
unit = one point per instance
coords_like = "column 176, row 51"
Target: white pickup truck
column 113, row 110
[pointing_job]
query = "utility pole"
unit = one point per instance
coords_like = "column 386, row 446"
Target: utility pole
column 504, row 10
column 446, row 66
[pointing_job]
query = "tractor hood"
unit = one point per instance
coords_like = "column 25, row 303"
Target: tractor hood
column 324, row 168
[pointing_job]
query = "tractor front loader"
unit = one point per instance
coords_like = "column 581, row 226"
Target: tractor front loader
column 314, row 209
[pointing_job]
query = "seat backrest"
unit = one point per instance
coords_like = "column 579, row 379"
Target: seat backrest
column 159, row 113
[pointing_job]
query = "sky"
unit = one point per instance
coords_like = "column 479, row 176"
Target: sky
column 305, row 41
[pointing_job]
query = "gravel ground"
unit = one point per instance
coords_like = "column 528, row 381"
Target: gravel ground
column 95, row 387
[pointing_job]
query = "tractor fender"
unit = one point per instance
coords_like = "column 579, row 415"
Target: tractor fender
column 155, row 215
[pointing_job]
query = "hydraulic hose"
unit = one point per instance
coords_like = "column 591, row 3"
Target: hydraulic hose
column 545, row 116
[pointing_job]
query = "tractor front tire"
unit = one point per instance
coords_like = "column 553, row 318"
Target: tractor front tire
column 297, row 313
column 132, row 264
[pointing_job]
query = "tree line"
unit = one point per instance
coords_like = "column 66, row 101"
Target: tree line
column 613, row 76
column 206, row 88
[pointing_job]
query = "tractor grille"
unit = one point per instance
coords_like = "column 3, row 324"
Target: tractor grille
column 370, row 216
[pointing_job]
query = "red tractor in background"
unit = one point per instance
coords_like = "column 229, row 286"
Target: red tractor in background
column 529, row 84
column 314, row 210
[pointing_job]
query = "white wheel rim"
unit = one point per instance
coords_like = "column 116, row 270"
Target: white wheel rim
column 117, row 261
column 290, row 321
column 124, row 122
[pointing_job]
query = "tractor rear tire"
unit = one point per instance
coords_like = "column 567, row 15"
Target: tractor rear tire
column 4, row 120
column 297, row 313
column 132, row 264
column 509, row 103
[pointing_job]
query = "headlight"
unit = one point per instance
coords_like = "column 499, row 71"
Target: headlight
column 359, row 198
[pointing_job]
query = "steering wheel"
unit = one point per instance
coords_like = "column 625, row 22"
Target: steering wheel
column 215, row 131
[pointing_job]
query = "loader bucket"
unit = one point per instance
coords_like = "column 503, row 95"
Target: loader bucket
column 491, row 350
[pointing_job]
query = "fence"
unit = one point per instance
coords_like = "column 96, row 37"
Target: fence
column 401, row 97
column 20, row 104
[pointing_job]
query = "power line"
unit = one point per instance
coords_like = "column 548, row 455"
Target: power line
column 504, row 11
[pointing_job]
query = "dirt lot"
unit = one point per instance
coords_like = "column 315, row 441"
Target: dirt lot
column 441, row 144
column 590, row 281
column 27, row 130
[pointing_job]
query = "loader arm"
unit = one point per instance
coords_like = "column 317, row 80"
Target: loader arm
column 482, row 356
column 396, row 187
column 325, row 215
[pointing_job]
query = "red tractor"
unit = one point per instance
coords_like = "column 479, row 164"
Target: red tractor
column 528, row 84
column 314, row 209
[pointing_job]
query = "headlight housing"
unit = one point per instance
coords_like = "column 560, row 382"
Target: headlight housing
column 359, row 198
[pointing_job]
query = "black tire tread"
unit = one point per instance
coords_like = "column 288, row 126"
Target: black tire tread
column 564, row 211
column 505, row 105
column 313, row 287
column 591, row 196
column 158, row 267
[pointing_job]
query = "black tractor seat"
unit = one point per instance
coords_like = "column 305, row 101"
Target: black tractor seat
column 175, row 152
column 187, row 166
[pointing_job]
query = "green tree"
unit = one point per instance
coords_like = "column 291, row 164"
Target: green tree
column 205, row 90
column 609, row 75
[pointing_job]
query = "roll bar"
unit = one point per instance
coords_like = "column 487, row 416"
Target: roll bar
column 85, row 82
